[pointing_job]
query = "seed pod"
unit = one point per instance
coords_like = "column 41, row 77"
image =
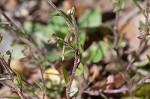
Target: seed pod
column 52, row 39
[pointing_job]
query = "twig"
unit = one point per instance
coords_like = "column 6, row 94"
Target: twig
column 67, row 44
column 2, row 82
column 6, row 67
column 108, row 91
column 21, row 94
column 147, row 16
column 130, row 88
column 41, row 72
column 9, row 19
column 116, row 35
column 76, row 63
column 141, row 81
column 130, row 63
column 139, row 7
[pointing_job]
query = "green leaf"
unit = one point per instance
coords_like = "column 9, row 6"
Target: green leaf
column 67, row 16
column 34, row 40
column 143, row 90
column 147, row 37
column 69, row 53
column 18, row 32
column 82, row 36
column 121, row 4
column 129, row 97
column 53, row 55
column 91, row 18
column 148, row 59
column 1, row 38
column 142, row 25
column 17, row 53
column 53, row 27
column 19, row 81
column 42, row 62
column 28, row 26
column 65, row 75
column 142, row 63
column 96, row 52
column 17, row 42
column 79, row 70
column 44, row 29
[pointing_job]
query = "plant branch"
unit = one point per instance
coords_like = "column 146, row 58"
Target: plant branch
column 76, row 62
column 116, row 35
column 73, row 27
